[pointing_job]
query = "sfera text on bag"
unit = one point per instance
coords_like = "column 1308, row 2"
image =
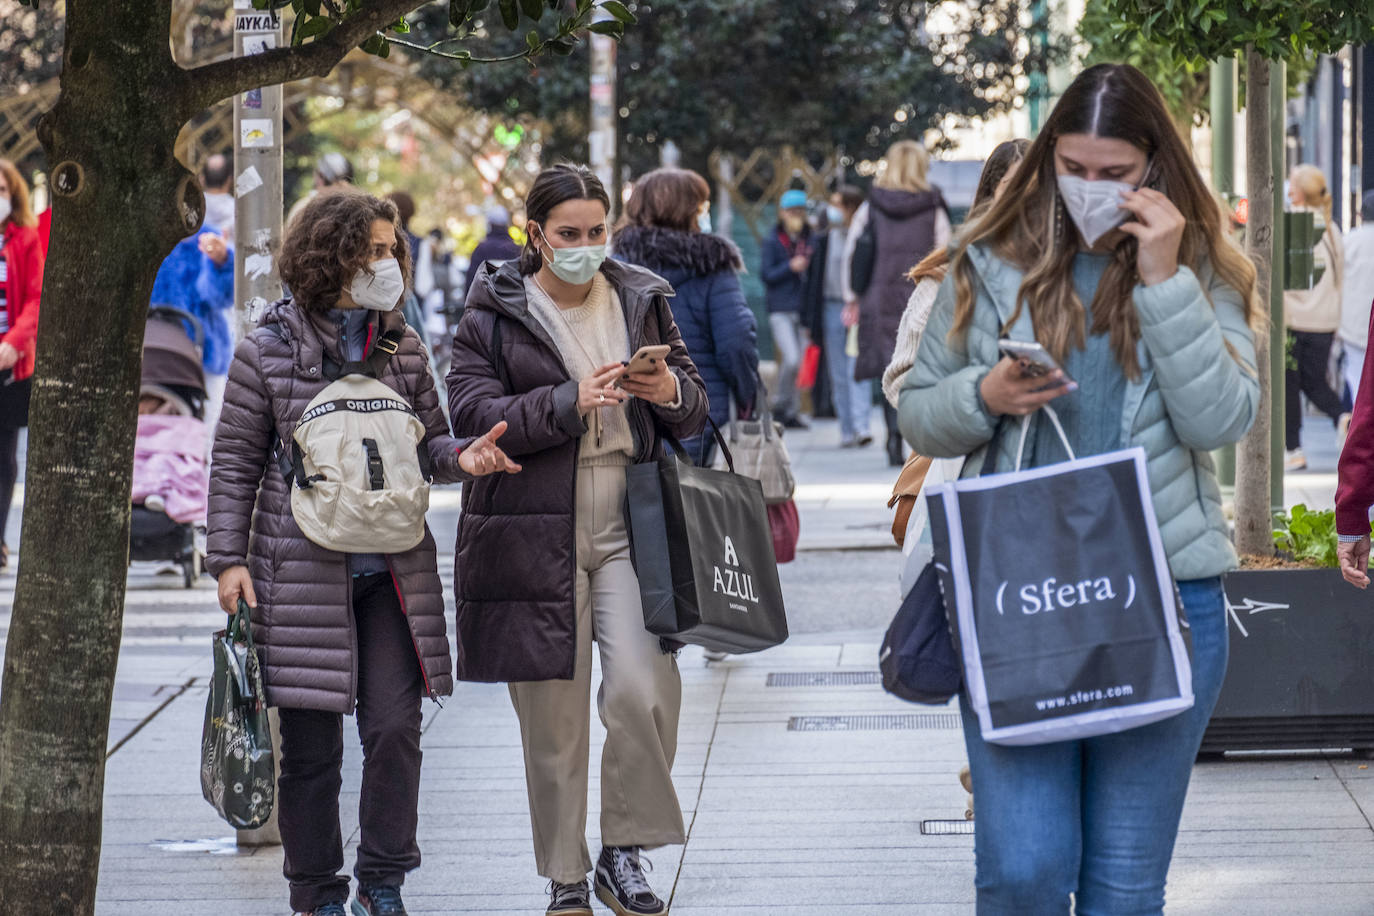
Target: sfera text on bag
column 1049, row 595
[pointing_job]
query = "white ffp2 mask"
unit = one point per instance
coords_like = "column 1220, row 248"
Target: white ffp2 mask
column 1094, row 206
column 381, row 290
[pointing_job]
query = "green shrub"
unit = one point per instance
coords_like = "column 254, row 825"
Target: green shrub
column 1310, row 537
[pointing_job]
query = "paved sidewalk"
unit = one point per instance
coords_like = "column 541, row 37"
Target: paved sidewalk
column 789, row 813
column 823, row 797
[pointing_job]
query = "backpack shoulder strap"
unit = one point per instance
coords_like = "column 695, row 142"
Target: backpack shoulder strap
column 373, row 364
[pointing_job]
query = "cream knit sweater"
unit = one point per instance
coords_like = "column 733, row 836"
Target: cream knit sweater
column 909, row 336
column 588, row 337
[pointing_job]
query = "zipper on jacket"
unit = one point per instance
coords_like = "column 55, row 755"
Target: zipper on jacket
column 352, row 639
column 400, row 598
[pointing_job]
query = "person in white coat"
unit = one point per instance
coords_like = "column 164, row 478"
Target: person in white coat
column 1357, row 295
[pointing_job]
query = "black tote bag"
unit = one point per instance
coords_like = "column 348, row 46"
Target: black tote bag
column 1061, row 598
column 703, row 551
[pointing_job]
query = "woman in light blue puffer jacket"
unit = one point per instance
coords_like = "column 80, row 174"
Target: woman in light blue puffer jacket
column 1153, row 319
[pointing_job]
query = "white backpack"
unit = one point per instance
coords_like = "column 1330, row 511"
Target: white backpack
column 358, row 469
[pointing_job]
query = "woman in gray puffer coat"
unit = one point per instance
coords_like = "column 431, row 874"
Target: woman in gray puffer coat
column 335, row 631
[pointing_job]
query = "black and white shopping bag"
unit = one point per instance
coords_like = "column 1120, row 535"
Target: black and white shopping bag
column 703, row 552
column 1068, row 620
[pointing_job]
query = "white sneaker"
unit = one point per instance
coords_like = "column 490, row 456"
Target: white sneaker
column 715, row 655
column 1295, row 460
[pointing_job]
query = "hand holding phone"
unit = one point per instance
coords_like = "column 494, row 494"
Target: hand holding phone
column 1025, row 380
column 646, row 375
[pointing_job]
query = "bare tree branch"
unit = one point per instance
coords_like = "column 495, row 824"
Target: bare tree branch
column 207, row 84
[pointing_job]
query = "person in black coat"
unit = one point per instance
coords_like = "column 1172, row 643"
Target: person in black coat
column 786, row 257
column 662, row 230
column 497, row 246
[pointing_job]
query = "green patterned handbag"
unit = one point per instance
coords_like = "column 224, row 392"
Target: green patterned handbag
column 237, row 775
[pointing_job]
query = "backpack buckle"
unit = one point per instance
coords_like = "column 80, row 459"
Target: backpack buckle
column 387, row 345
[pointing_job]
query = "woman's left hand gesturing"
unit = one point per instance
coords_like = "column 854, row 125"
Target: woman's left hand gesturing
column 482, row 457
column 1158, row 227
column 657, row 387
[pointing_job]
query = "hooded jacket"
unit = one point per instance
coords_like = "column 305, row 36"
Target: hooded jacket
column 905, row 227
column 303, row 624
column 515, row 567
column 712, row 315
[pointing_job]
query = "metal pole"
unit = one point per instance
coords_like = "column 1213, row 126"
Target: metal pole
column 1278, row 120
column 601, row 138
column 258, row 173
column 1224, row 182
column 257, row 231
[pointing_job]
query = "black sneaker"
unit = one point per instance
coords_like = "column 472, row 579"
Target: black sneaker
column 795, row 421
column 569, row 899
column 621, row 885
column 329, row 909
column 378, row 900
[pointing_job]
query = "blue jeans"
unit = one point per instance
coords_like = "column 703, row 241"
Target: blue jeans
column 1097, row 817
column 853, row 400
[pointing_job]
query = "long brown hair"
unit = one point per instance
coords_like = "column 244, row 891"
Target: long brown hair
column 20, row 214
column 1027, row 227
column 1005, row 155
column 667, row 198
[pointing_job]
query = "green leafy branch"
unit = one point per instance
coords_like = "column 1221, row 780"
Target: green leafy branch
column 317, row 18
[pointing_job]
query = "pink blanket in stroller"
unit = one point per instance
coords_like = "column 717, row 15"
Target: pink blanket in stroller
column 169, row 461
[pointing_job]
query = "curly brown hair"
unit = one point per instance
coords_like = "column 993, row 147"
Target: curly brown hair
column 330, row 240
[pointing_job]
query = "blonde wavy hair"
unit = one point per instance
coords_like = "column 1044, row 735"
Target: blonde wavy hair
column 1311, row 183
column 905, row 167
column 1027, row 227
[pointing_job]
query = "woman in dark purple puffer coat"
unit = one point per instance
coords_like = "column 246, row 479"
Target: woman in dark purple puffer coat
column 336, row 632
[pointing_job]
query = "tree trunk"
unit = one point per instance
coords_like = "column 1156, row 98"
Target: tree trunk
column 1253, row 511
column 121, row 202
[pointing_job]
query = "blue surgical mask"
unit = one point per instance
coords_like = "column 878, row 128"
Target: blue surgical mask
column 835, row 215
column 704, row 220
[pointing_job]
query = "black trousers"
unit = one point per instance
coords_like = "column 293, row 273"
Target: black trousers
column 390, row 686
column 1310, row 351
column 14, row 416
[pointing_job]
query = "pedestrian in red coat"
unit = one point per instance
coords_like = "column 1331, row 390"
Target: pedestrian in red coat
column 21, row 286
column 1355, row 485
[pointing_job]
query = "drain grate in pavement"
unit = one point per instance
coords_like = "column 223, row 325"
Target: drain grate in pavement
column 823, row 678
column 905, row 722
column 946, row 828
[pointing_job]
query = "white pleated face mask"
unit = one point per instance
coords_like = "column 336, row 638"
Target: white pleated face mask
column 381, row 290
column 1094, row 206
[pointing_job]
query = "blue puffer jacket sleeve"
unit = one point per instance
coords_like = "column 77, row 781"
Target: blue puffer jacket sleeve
column 734, row 335
column 1191, row 335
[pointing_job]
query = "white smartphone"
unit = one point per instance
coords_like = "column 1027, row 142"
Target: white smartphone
column 1035, row 359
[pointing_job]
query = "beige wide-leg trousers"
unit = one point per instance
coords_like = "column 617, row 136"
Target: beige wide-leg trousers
column 639, row 701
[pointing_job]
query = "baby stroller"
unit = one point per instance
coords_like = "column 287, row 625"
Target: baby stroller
column 171, row 475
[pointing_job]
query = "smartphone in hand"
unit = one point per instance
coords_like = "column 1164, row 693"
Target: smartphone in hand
column 646, row 360
column 1034, row 359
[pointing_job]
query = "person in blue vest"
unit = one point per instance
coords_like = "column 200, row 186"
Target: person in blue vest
column 786, row 259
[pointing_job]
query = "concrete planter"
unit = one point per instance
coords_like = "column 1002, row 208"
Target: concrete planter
column 1301, row 670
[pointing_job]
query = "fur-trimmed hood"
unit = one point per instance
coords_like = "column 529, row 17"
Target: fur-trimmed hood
column 661, row 250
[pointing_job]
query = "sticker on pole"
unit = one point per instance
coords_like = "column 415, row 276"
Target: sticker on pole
column 255, row 133
column 257, row 21
column 248, row 181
